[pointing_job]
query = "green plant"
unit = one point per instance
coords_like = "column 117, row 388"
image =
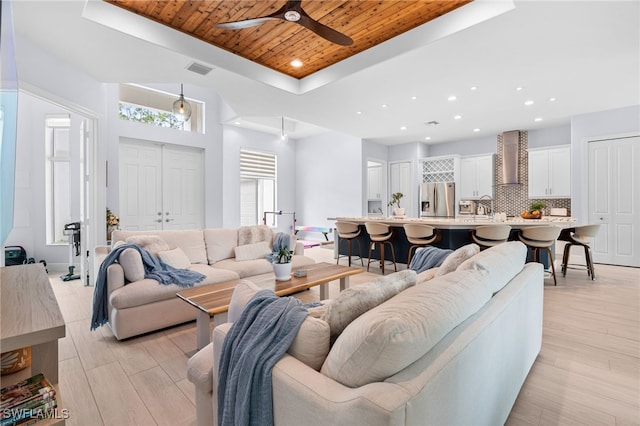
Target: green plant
column 395, row 199
column 537, row 205
column 284, row 255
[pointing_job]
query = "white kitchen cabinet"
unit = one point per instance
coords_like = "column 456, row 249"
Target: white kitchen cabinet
column 374, row 183
column 476, row 177
column 550, row 172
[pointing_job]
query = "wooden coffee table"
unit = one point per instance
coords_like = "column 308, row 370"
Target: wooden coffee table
column 214, row 299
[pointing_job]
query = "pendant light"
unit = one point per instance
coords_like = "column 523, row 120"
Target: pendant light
column 181, row 108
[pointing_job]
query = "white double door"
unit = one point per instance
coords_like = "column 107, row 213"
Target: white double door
column 614, row 200
column 161, row 186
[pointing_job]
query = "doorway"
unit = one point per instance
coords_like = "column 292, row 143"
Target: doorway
column 614, row 199
column 161, row 186
column 400, row 180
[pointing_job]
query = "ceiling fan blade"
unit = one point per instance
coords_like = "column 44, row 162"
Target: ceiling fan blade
column 247, row 23
column 323, row 31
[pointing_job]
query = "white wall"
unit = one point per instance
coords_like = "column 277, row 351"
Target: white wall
column 550, row 136
column 329, row 175
column 236, row 138
column 586, row 127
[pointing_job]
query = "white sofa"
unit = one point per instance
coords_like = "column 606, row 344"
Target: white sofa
column 137, row 305
column 453, row 350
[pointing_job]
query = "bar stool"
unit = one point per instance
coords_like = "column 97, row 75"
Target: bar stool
column 541, row 237
column 348, row 231
column 490, row 235
column 380, row 234
column 420, row 235
column 579, row 236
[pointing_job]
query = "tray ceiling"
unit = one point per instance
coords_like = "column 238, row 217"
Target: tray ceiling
column 275, row 44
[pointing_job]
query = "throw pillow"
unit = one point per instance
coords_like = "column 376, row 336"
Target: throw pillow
column 502, row 262
column 254, row 234
column 131, row 263
column 176, row 258
column 252, row 251
column 151, row 243
column 456, row 258
column 354, row 301
column 311, row 344
column 426, row 275
column 392, row 336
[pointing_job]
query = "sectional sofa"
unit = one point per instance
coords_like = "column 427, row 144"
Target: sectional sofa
column 452, row 349
column 137, row 305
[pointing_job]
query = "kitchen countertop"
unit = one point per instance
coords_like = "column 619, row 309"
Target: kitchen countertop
column 463, row 222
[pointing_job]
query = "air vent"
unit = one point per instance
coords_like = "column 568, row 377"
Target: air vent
column 199, row 68
column 432, row 123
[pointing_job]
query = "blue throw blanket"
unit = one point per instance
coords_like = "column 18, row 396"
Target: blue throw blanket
column 256, row 341
column 154, row 268
column 282, row 240
column 427, row 258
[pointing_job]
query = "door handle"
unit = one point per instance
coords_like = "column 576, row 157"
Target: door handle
column 168, row 220
column 158, row 220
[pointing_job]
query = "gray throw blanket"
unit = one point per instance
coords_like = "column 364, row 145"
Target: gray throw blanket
column 427, row 258
column 256, row 341
column 154, row 269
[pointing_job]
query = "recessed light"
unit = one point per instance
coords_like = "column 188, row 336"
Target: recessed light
column 552, row 99
column 297, row 63
column 476, row 130
column 237, row 123
column 538, row 119
column 414, row 98
column 403, row 128
column 527, row 103
column 383, row 105
column 457, row 117
column 519, row 88
column 473, row 88
column 428, row 138
column 452, row 98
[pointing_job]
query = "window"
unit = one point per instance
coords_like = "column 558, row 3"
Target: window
column 257, row 187
column 57, row 167
column 144, row 105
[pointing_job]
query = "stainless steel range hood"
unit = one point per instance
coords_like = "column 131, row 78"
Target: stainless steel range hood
column 510, row 157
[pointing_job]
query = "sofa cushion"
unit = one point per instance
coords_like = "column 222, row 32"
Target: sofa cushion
column 254, row 234
column 131, row 262
column 396, row 333
column 175, row 258
column 502, row 262
column 427, row 275
column 191, row 241
column 356, row 300
column 249, row 268
column 311, row 344
column 151, row 243
column 456, row 258
column 220, row 243
column 252, row 251
column 147, row 291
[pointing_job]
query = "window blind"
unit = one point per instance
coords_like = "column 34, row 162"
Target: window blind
column 257, row 165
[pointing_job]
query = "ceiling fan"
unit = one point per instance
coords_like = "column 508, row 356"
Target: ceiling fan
column 292, row 12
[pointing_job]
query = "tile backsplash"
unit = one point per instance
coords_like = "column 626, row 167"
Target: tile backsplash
column 513, row 199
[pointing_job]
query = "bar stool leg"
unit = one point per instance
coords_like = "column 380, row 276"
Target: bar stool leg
column 382, row 257
column 360, row 252
column 393, row 256
column 553, row 268
column 565, row 258
column 371, row 244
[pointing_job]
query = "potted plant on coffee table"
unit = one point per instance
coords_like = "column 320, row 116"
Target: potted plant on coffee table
column 395, row 200
column 281, row 262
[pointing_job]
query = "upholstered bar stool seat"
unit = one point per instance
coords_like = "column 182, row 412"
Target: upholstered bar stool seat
column 541, row 238
column 490, row 235
column 419, row 235
column 579, row 236
column 380, row 234
column 348, row 231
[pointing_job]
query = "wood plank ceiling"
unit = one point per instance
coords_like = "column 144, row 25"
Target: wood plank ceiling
column 275, row 44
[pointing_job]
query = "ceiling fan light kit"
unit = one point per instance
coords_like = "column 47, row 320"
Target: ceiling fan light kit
column 181, row 108
column 292, row 12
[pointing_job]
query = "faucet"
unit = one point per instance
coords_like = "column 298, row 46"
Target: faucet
column 488, row 197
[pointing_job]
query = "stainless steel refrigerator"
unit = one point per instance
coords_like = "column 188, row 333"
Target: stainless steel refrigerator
column 437, row 199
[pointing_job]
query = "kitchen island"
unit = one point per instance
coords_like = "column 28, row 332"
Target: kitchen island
column 455, row 232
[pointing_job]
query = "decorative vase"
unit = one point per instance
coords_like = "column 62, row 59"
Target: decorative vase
column 282, row 271
column 110, row 230
column 398, row 211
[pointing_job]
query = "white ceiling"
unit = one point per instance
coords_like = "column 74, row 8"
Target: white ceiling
column 586, row 54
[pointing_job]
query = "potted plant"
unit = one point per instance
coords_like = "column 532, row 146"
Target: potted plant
column 281, row 262
column 112, row 223
column 395, row 200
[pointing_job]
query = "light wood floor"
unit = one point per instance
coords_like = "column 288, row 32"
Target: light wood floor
column 587, row 373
